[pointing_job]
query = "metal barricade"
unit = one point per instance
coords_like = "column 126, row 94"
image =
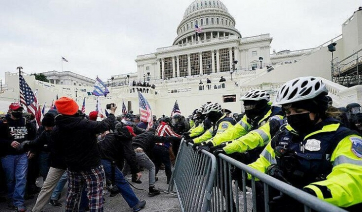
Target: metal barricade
column 205, row 183
column 193, row 178
column 246, row 199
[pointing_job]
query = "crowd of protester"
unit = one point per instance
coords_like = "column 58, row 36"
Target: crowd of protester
column 93, row 153
column 89, row 151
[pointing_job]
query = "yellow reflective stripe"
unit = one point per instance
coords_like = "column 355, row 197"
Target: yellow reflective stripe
column 263, row 135
column 266, row 116
column 343, row 159
column 268, row 156
column 277, row 117
column 327, row 128
column 244, row 125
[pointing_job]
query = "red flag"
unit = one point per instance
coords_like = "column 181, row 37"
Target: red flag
column 38, row 116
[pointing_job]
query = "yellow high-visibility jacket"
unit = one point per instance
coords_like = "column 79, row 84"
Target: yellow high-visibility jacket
column 242, row 128
column 197, row 130
column 342, row 186
column 255, row 138
column 221, row 125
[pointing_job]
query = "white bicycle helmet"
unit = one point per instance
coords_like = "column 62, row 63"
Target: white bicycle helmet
column 256, row 95
column 300, row 89
column 212, row 107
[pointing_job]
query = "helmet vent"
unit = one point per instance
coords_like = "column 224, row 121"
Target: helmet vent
column 305, row 83
column 285, row 93
column 293, row 94
column 304, row 93
column 295, row 82
column 317, row 86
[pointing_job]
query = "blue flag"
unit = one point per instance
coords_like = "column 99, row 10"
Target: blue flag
column 100, row 89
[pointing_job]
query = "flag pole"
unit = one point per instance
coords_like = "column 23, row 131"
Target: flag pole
column 19, row 68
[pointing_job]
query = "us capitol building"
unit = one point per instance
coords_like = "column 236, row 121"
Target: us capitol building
column 190, row 69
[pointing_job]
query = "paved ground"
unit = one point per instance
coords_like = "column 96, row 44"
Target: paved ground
column 161, row 203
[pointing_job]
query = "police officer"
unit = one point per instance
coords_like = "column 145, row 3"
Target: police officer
column 202, row 123
column 313, row 152
column 219, row 122
column 254, row 130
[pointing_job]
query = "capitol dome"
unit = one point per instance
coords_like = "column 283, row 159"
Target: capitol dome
column 211, row 16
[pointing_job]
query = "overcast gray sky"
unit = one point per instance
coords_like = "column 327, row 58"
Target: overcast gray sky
column 104, row 37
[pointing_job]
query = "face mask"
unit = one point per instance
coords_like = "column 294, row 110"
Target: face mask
column 213, row 117
column 17, row 114
column 301, row 122
column 251, row 114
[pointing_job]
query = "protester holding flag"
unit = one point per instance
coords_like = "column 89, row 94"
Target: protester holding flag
column 124, row 109
column 145, row 111
column 14, row 130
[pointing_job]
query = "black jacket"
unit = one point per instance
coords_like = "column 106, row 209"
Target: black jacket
column 147, row 141
column 15, row 130
column 45, row 143
column 117, row 147
column 77, row 141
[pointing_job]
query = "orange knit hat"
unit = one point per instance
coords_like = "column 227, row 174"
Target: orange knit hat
column 66, row 106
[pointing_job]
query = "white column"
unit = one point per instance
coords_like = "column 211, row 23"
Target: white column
column 163, row 68
column 192, row 38
column 213, row 61
column 178, row 66
column 231, row 57
column 173, row 67
column 157, row 68
column 188, row 65
column 217, row 61
column 200, row 59
column 237, row 56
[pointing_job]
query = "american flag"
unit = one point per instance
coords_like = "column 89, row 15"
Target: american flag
column 124, row 109
column 197, row 29
column 176, row 109
column 27, row 96
column 83, row 106
column 145, row 111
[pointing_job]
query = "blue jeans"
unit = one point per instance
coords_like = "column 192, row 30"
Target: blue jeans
column 59, row 188
column 15, row 168
column 121, row 183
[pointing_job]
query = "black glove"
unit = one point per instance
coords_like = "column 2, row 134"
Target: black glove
column 275, row 171
column 186, row 135
column 213, row 148
column 219, row 151
column 309, row 191
column 203, row 147
column 194, row 147
column 189, row 141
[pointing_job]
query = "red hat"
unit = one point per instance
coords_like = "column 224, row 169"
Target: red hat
column 66, row 106
column 130, row 130
column 93, row 115
column 15, row 106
